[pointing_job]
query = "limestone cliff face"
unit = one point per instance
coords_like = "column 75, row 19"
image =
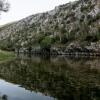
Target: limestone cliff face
column 75, row 21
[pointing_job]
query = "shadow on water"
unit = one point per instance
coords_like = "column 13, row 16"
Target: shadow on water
column 59, row 77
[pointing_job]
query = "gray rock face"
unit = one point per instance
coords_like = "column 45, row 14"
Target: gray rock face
column 79, row 19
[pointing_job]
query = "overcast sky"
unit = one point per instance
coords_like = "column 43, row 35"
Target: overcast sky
column 22, row 8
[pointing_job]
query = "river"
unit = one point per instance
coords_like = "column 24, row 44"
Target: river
column 53, row 78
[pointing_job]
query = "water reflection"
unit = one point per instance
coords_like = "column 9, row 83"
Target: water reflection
column 59, row 77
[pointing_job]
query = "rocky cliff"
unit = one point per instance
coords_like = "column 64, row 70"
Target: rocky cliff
column 72, row 25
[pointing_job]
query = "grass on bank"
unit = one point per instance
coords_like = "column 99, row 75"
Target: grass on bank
column 5, row 55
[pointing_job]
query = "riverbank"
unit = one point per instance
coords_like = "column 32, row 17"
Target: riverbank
column 60, row 52
column 5, row 55
column 71, row 49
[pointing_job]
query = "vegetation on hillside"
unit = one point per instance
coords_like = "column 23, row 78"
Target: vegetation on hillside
column 76, row 23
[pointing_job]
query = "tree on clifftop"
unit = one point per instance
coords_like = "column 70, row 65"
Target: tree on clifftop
column 4, row 6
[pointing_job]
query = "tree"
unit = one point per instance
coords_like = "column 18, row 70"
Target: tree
column 62, row 32
column 4, row 6
column 46, row 44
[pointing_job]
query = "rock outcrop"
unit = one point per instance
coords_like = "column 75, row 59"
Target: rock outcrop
column 76, row 23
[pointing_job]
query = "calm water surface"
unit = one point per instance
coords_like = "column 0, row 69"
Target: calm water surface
column 58, row 78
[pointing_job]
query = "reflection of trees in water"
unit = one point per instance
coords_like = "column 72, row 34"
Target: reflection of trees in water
column 70, row 79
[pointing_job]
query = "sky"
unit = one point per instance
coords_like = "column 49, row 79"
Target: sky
column 23, row 8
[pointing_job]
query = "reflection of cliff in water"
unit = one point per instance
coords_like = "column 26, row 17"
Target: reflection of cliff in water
column 59, row 77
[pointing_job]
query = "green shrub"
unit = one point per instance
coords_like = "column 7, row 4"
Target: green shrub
column 94, row 38
column 84, row 8
column 46, row 42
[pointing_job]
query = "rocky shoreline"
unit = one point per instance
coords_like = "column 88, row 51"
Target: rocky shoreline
column 59, row 51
